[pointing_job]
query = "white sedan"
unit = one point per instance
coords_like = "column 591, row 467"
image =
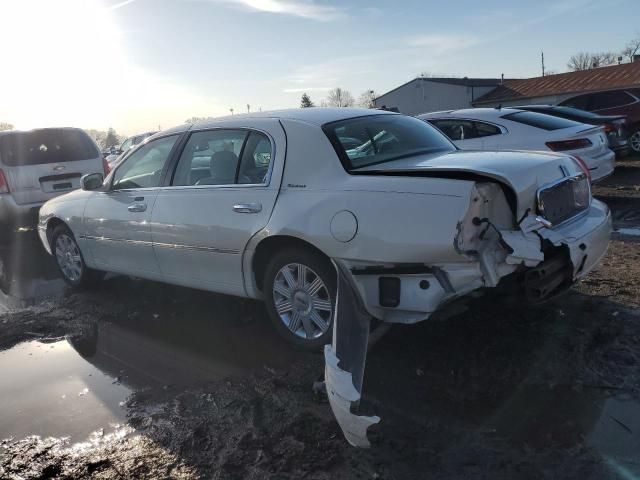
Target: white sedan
column 294, row 206
column 513, row 129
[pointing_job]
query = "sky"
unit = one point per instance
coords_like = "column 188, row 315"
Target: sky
column 137, row 65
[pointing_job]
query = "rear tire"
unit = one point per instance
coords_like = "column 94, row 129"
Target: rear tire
column 70, row 261
column 300, row 291
column 634, row 141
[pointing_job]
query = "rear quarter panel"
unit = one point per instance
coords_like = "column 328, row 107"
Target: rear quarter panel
column 399, row 219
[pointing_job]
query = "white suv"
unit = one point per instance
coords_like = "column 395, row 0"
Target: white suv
column 38, row 165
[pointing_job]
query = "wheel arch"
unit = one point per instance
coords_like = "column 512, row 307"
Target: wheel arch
column 269, row 246
column 52, row 224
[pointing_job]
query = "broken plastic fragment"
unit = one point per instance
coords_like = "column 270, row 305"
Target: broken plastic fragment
column 342, row 394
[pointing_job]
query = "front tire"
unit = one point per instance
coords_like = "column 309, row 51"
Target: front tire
column 300, row 292
column 70, row 261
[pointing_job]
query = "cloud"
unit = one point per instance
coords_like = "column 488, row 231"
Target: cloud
column 442, row 43
column 307, row 89
column 120, row 4
column 298, row 8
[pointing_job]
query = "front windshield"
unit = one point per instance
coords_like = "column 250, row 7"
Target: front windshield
column 364, row 141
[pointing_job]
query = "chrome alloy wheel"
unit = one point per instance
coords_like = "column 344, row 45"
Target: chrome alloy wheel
column 634, row 141
column 302, row 301
column 68, row 257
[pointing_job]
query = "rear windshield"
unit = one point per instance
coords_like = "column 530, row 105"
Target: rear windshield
column 364, row 141
column 540, row 120
column 51, row 145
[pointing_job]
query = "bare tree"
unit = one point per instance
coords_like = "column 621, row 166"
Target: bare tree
column 367, row 99
column 5, row 126
column 587, row 60
column 339, row 97
column 579, row 61
column 632, row 48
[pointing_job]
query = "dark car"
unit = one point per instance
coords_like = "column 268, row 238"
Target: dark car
column 614, row 125
column 613, row 102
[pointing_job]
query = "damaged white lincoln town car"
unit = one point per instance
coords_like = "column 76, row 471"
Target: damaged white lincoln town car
column 332, row 217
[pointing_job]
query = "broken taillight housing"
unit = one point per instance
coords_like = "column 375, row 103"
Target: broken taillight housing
column 583, row 166
column 564, row 145
column 4, row 185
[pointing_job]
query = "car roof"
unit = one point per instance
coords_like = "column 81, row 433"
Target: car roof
column 13, row 132
column 314, row 115
column 481, row 113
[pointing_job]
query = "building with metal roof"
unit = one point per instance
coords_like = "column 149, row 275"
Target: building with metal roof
column 553, row 89
column 424, row 94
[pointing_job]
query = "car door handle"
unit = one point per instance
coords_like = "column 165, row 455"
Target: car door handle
column 137, row 207
column 247, row 208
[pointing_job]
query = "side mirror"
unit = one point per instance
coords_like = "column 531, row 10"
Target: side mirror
column 91, row 181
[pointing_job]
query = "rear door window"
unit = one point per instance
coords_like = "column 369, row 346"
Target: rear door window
column 603, row 100
column 486, row 129
column 51, row 145
column 581, row 102
column 540, row 120
column 210, row 158
column 456, row 129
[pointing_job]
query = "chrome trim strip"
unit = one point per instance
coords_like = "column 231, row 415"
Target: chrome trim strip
column 176, row 246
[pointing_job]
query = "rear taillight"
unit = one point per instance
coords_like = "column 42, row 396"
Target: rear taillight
column 563, row 145
column 105, row 166
column 4, row 186
column 583, row 167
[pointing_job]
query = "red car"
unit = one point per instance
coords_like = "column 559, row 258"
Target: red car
column 613, row 102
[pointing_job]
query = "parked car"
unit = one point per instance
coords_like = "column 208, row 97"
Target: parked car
column 513, row 129
column 613, row 102
column 40, row 164
column 280, row 198
column 118, row 153
column 614, row 125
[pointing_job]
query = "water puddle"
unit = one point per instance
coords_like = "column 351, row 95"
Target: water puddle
column 27, row 272
column 48, row 389
column 563, row 417
column 76, row 386
column 630, row 231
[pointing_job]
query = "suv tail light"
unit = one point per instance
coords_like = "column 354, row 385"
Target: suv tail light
column 4, row 186
column 583, row 167
column 105, row 166
column 563, row 145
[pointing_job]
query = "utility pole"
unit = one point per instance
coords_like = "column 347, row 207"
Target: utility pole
column 542, row 63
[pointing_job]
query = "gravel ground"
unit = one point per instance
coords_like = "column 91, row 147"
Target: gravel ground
column 499, row 391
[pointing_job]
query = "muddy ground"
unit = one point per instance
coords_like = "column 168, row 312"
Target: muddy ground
column 499, row 391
